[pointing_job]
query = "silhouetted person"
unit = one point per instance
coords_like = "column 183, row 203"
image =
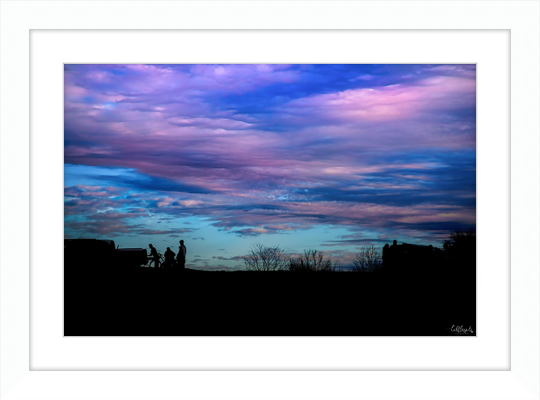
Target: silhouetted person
column 169, row 258
column 154, row 255
column 181, row 257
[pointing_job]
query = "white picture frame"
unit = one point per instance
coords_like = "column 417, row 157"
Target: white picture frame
column 19, row 379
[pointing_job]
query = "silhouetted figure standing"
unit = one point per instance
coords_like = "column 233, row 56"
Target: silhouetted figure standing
column 154, row 255
column 181, row 257
column 169, row 258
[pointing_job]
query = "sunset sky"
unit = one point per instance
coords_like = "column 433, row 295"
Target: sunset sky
column 327, row 157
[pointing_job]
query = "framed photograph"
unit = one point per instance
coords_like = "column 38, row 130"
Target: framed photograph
column 289, row 183
column 77, row 333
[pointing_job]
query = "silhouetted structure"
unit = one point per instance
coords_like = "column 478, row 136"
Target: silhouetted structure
column 409, row 258
column 96, row 253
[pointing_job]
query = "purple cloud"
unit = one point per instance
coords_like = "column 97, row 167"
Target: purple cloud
column 259, row 150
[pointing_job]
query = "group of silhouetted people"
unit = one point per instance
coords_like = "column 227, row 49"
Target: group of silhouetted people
column 170, row 262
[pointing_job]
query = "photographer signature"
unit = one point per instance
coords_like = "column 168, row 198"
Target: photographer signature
column 460, row 330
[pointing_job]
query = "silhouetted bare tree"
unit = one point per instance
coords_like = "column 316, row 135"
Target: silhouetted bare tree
column 310, row 261
column 265, row 258
column 368, row 260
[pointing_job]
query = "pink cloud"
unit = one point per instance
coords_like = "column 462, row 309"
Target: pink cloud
column 391, row 102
